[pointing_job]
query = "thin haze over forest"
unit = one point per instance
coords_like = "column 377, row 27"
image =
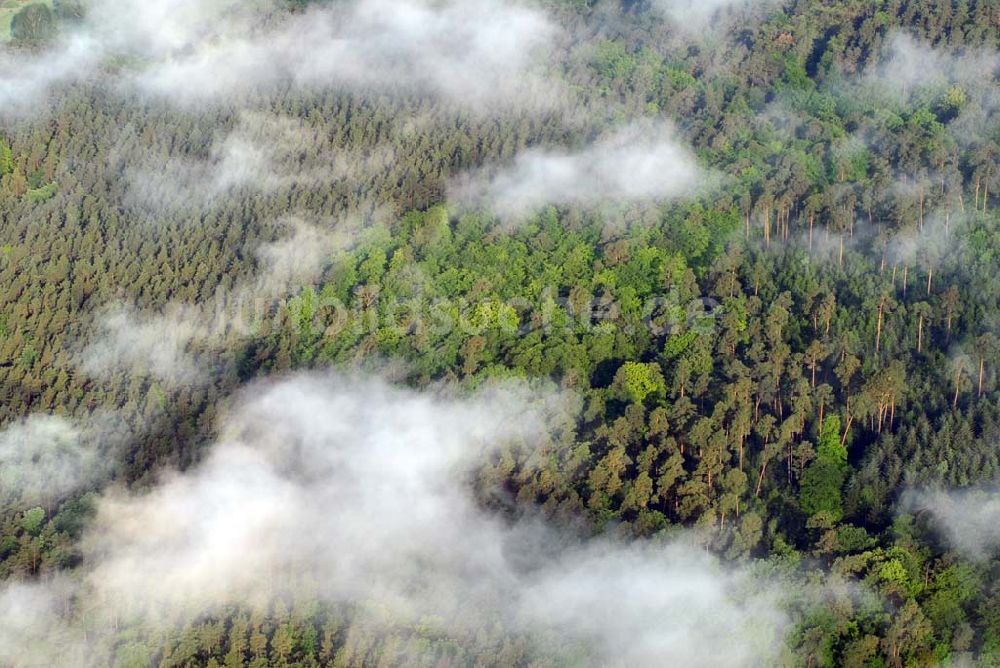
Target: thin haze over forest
column 470, row 332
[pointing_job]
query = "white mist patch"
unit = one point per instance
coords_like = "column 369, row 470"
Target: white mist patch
column 639, row 163
column 961, row 84
column 43, row 457
column 361, row 493
column 165, row 344
column 474, row 53
column 33, row 629
column 295, row 257
column 261, row 154
column 693, row 16
column 25, row 78
column 159, row 29
column 939, row 239
column 658, row 605
column 345, row 482
column 968, row 520
column 157, row 344
column 910, row 65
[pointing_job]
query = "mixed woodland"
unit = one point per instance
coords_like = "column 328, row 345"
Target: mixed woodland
column 773, row 362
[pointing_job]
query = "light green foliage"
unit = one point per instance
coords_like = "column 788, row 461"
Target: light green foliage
column 894, row 572
column 683, row 420
column 6, row 159
column 32, row 521
column 42, row 194
column 612, row 62
column 830, row 446
column 640, row 381
column 823, row 480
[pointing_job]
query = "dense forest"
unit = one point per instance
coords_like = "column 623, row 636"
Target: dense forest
column 555, row 332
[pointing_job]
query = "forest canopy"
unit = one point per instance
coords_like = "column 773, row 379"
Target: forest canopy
column 547, row 332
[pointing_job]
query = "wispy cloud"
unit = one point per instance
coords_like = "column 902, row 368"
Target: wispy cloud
column 643, row 162
column 33, row 630
column 910, row 66
column 960, row 85
column 477, row 54
column 968, row 520
column 26, row 78
column 261, row 154
column 45, row 457
column 468, row 52
column 694, row 17
column 172, row 344
column 362, row 493
column 158, row 345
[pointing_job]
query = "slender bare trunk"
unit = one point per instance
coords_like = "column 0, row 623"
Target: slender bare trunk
column 789, row 462
column 878, row 327
column 920, row 199
column 847, row 429
column 763, row 470
column 767, row 227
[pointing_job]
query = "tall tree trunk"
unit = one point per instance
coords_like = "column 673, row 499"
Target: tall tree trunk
column 847, row 429
column 920, row 200
column 789, row 462
column 767, row 227
column 763, row 470
column 878, row 327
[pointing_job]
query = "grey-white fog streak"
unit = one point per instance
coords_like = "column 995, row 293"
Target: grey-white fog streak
column 361, row 492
